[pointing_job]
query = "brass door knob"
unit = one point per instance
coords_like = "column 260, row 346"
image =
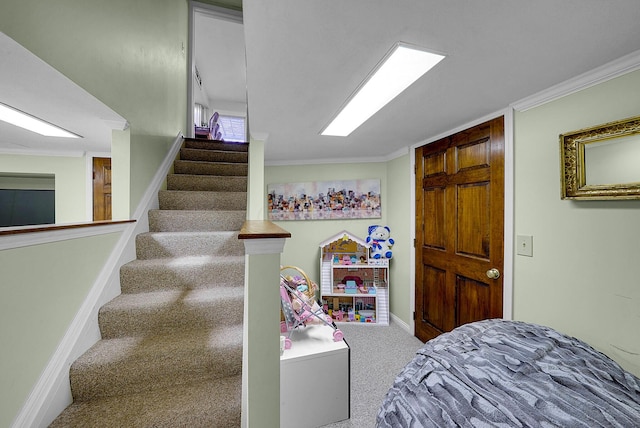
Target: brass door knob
column 493, row 273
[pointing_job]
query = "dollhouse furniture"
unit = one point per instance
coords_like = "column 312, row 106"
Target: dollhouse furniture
column 314, row 379
column 353, row 283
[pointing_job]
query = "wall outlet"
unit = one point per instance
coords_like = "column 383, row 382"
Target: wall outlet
column 524, row 245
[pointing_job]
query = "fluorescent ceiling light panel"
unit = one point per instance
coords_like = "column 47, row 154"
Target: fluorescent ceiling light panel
column 23, row 120
column 402, row 66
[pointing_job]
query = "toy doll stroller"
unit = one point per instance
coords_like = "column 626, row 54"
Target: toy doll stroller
column 299, row 305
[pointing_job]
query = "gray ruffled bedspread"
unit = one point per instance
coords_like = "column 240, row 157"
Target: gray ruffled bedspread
column 499, row 373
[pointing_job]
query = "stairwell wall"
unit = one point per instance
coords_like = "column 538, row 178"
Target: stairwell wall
column 132, row 57
column 42, row 288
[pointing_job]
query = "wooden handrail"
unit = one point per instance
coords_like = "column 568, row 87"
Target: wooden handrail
column 262, row 229
column 16, row 230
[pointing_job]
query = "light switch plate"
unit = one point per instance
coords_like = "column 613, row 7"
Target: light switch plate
column 524, row 245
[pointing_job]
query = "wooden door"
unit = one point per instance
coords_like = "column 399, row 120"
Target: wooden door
column 459, row 229
column 101, row 189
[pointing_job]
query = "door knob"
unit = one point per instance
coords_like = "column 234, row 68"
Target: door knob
column 493, row 273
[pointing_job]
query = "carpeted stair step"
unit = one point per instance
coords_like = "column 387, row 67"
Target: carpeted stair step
column 210, row 168
column 207, row 404
column 171, row 353
column 196, row 143
column 164, row 312
column 195, row 221
column 213, row 155
column 200, row 200
column 155, row 362
column 207, row 182
column 140, row 276
column 156, row 245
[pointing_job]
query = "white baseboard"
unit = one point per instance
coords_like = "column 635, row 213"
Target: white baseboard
column 52, row 392
column 396, row 320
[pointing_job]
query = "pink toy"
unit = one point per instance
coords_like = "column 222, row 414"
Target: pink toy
column 299, row 309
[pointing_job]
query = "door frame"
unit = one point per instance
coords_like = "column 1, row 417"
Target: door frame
column 507, row 272
column 89, row 179
column 195, row 8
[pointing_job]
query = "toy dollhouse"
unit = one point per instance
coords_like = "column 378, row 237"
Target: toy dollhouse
column 353, row 287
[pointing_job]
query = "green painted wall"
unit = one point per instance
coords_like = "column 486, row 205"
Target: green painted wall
column 42, row 288
column 399, row 184
column 255, row 186
column 583, row 276
column 131, row 55
column 70, row 181
column 303, row 249
column 261, row 368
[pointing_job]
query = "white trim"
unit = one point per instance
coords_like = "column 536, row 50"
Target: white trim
column 403, row 325
column 507, row 273
column 258, row 136
column 611, row 70
column 509, row 218
column 373, row 159
column 117, row 125
column 89, row 178
column 52, row 393
column 412, row 232
column 264, row 246
column 37, row 152
column 210, row 10
column 217, row 11
column 36, row 238
column 462, row 127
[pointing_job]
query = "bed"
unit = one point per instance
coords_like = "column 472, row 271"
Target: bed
column 498, row 373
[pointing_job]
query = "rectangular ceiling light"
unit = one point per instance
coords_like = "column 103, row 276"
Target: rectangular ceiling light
column 18, row 118
column 401, row 66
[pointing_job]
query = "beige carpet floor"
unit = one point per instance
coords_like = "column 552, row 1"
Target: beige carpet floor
column 378, row 353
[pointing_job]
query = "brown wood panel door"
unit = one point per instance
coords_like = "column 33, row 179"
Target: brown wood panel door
column 459, row 229
column 101, row 189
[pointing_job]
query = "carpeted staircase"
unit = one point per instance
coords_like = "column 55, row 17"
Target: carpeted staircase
column 171, row 348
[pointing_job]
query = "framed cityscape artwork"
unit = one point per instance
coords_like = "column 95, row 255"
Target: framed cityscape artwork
column 324, row 200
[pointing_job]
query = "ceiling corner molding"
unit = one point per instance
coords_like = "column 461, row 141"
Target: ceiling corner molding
column 117, row 125
column 217, row 11
column 46, row 153
column 611, row 70
column 398, row 153
column 259, row 136
column 325, row 161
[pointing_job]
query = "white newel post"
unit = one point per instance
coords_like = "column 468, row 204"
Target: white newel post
column 263, row 242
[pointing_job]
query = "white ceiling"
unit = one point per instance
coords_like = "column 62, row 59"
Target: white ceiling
column 219, row 57
column 31, row 85
column 304, row 59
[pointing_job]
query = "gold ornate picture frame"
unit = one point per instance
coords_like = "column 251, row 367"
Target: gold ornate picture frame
column 622, row 140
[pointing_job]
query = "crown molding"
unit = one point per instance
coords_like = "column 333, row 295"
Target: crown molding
column 611, row 70
column 39, row 152
column 372, row 159
column 117, row 125
column 259, row 136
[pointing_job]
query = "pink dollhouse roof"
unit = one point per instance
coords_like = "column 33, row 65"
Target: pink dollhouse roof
column 341, row 235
